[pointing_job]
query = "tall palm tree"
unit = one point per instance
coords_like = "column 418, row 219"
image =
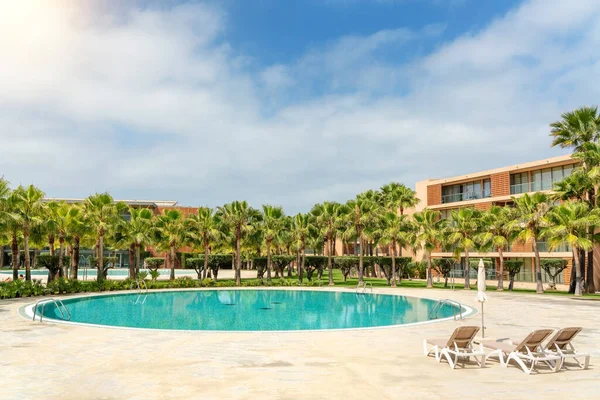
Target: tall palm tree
column 569, row 223
column 461, row 232
column 397, row 197
column 576, row 128
column 141, row 226
column 428, row 231
column 77, row 229
column 363, row 214
column 4, row 238
column 239, row 218
column 325, row 216
column 102, row 214
column 301, row 231
column 60, row 214
column 271, row 225
column 29, row 211
column 204, row 228
column 529, row 225
column 394, row 229
column 170, row 230
column 495, row 232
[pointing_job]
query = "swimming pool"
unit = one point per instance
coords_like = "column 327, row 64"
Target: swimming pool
column 247, row 310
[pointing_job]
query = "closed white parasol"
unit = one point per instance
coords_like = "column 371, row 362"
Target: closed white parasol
column 481, row 296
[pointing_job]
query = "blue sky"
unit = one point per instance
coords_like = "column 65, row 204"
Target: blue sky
column 283, row 102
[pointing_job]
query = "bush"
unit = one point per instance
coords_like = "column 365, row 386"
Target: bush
column 279, row 262
column 444, row 266
column 513, row 267
column 315, row 263
column 154, row 263
column 553, row 267
column 154, row 274
column 346, row 264
column 215, row 262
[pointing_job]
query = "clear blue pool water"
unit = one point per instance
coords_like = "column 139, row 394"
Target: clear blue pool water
column 248, row 310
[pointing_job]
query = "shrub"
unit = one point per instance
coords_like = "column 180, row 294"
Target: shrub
column 142, row 275
column 346, row 264
column 279, row 262
column 444, row 266
column 385, row 263
column 513, row 267
column 215, row 262
column 315, row 263
column 553, row 267
column 154, row 274
column 154, row 263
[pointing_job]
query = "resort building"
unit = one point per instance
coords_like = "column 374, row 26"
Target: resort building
column 499, row 186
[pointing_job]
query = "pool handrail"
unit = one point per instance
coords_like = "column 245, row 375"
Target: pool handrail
column 59, row 306
column 433, row 314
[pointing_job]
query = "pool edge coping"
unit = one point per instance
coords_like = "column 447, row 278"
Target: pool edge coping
column 26, row 311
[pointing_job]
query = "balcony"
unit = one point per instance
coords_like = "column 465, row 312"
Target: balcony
column 544, row 247
column 533, row 186
column 465, row 196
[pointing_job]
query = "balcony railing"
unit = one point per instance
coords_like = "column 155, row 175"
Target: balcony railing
column 465, row 196
column 545, row 247
column 533, row 186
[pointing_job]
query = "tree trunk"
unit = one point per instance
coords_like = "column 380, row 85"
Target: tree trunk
column 301, row 268
column 61, row 259
column 131, row 254
column 589, row 274
column 394, row 274
column 538, row 269
column 138, row 259
column 51, row 244
column 501, row 275
column 238, row 266
column 205, row 272
column 467, row 271
column 26, row 250
column 2, row 256
column 75, row 258
column 100, row 257
column 268, row 260
column 172, row 277
column 511, row 283
column 429, row 277
column 329, row 258
column 15, row 257
column 360, row 260
column 578, row 277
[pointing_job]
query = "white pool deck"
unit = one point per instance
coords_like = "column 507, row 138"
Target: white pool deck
column 58, row 361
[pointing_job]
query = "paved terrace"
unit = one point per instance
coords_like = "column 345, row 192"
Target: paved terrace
column 52, row 361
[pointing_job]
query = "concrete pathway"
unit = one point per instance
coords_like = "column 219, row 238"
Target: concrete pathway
column 53, row 361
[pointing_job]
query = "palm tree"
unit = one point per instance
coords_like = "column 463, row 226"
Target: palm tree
column 77, row 228
column 325, row 217
column 170, row 230
column 238, row 217
column 394, row 230
column 301, row 231
column 204, row 228
column 461, row 232
column 576, row 128
column 141, row 226
column 29, row 210
column 12, row 225
column 529, row 223
column 102, row 214
column 59, row 214
column 4, row 239
column 569, row 223
column 495, row 232
column 362, row 213
column 428, row 231
column 272, row 220
column 396, row 196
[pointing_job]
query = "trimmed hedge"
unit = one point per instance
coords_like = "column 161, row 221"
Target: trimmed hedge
column 215, row 262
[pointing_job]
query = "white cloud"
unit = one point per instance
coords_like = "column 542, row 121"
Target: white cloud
column 155, row 103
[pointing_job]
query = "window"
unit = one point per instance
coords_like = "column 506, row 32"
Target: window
column 467, row 191
column 541, row 179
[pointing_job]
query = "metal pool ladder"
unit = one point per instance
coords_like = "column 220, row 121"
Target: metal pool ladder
column 362, row 288
column 433, row 314
column 60, row 306
column 140, row 285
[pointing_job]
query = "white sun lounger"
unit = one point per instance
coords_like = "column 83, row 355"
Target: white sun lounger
column 560, row 345
column 528, row 351
column 458, row 347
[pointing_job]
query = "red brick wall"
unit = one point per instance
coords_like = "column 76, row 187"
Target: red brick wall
column 483, row 206
column 434, row 195
column 500, row 184
column 520, row 247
